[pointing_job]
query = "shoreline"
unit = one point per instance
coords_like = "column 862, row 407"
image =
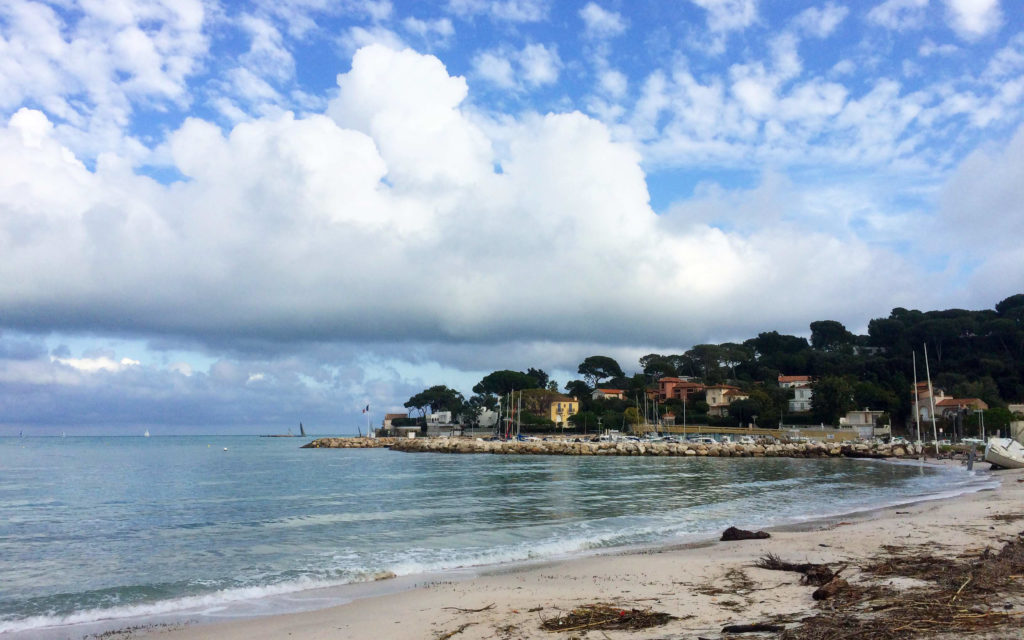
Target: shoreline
column 663, row 576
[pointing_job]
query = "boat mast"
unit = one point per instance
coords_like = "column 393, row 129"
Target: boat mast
column 931, row 398
column 917, row 406
column 519, row 415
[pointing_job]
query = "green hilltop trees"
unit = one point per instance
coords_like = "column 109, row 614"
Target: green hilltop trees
column 973, row 354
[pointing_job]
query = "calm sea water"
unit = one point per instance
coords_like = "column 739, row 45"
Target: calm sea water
column 96, row 528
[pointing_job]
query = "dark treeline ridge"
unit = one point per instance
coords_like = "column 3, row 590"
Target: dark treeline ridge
column 972, row 354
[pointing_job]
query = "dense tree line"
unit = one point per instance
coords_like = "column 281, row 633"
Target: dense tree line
column 978, row 354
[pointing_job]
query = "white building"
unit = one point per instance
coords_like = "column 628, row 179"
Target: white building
column 801, row 400
column 441, row 417
column 862, row 418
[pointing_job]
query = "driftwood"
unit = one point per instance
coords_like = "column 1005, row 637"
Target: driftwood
column 968, row 595
column 760, row 627
column 732, row 533
column 455, row 632
column 816, row 575
column 461, row 610
column 830, row 589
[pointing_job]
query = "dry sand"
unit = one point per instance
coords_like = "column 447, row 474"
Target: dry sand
column 681, row 581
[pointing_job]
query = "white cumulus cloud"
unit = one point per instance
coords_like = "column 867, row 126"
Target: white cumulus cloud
column 972, row 19
column 601, row 23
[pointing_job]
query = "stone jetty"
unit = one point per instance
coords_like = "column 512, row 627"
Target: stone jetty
column 350, row 443
column 624, row 448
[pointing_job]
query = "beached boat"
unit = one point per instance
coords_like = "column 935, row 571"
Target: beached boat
column 1005, row 452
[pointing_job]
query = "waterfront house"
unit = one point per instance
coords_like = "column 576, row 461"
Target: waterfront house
column 720, row 396
column 560, row 408
column 389, row 417
column 801, row 400
column 605, row 394
column 678, row 389
column 951, row 406
column 860, row 418
column 789, row 382
column 439, row 418
column 945, row 406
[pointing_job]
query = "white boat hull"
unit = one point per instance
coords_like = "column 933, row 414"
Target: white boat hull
column 1005, row 453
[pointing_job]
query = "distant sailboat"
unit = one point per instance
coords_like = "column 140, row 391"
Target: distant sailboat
column 146, row 435
column 302, row 433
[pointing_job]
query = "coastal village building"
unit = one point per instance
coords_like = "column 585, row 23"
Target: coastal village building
column 678, row 389
column 439, row 418
column 788, row 382
column 605, row 394
column 866, row 422
column 802, row 392
column 561, row 408
column 862, row 418
column 801, row 400
column 720, row 396
column 951, row 406
column 945, row 406
column 388, row 417
column 487, row 419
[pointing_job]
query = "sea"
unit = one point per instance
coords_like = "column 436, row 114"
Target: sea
column 99, row 533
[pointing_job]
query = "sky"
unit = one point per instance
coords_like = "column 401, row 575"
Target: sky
column 230, row 217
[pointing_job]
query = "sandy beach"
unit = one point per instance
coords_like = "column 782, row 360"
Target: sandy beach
column 704, row 586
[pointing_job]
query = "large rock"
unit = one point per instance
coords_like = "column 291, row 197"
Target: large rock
column 732, row 533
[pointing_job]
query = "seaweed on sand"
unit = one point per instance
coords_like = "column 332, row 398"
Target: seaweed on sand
column 606, row 616
column 971, row 594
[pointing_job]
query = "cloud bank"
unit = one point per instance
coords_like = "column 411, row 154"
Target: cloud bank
column 397, row 214
column 203, row 216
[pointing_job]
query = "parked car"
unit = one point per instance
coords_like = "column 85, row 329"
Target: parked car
column 746, row 440
column 701, row 440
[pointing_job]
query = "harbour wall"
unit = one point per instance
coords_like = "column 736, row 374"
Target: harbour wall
column 626, row 448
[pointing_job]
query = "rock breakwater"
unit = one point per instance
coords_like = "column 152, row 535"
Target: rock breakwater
column 350, row 443
column 627, row 448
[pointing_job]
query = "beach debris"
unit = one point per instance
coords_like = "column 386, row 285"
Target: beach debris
column 760, row 627
column 1007, row 517
column 445, row 636
column 461, row 610
column 733, row 533
column 830, row 589
column 816, row 575
column 605, row 616
column 962, row 596
column 384, row 575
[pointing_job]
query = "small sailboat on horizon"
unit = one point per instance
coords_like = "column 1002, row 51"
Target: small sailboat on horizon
column 146, row 435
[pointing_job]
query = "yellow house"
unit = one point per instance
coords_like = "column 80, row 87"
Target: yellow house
column 561, row 408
